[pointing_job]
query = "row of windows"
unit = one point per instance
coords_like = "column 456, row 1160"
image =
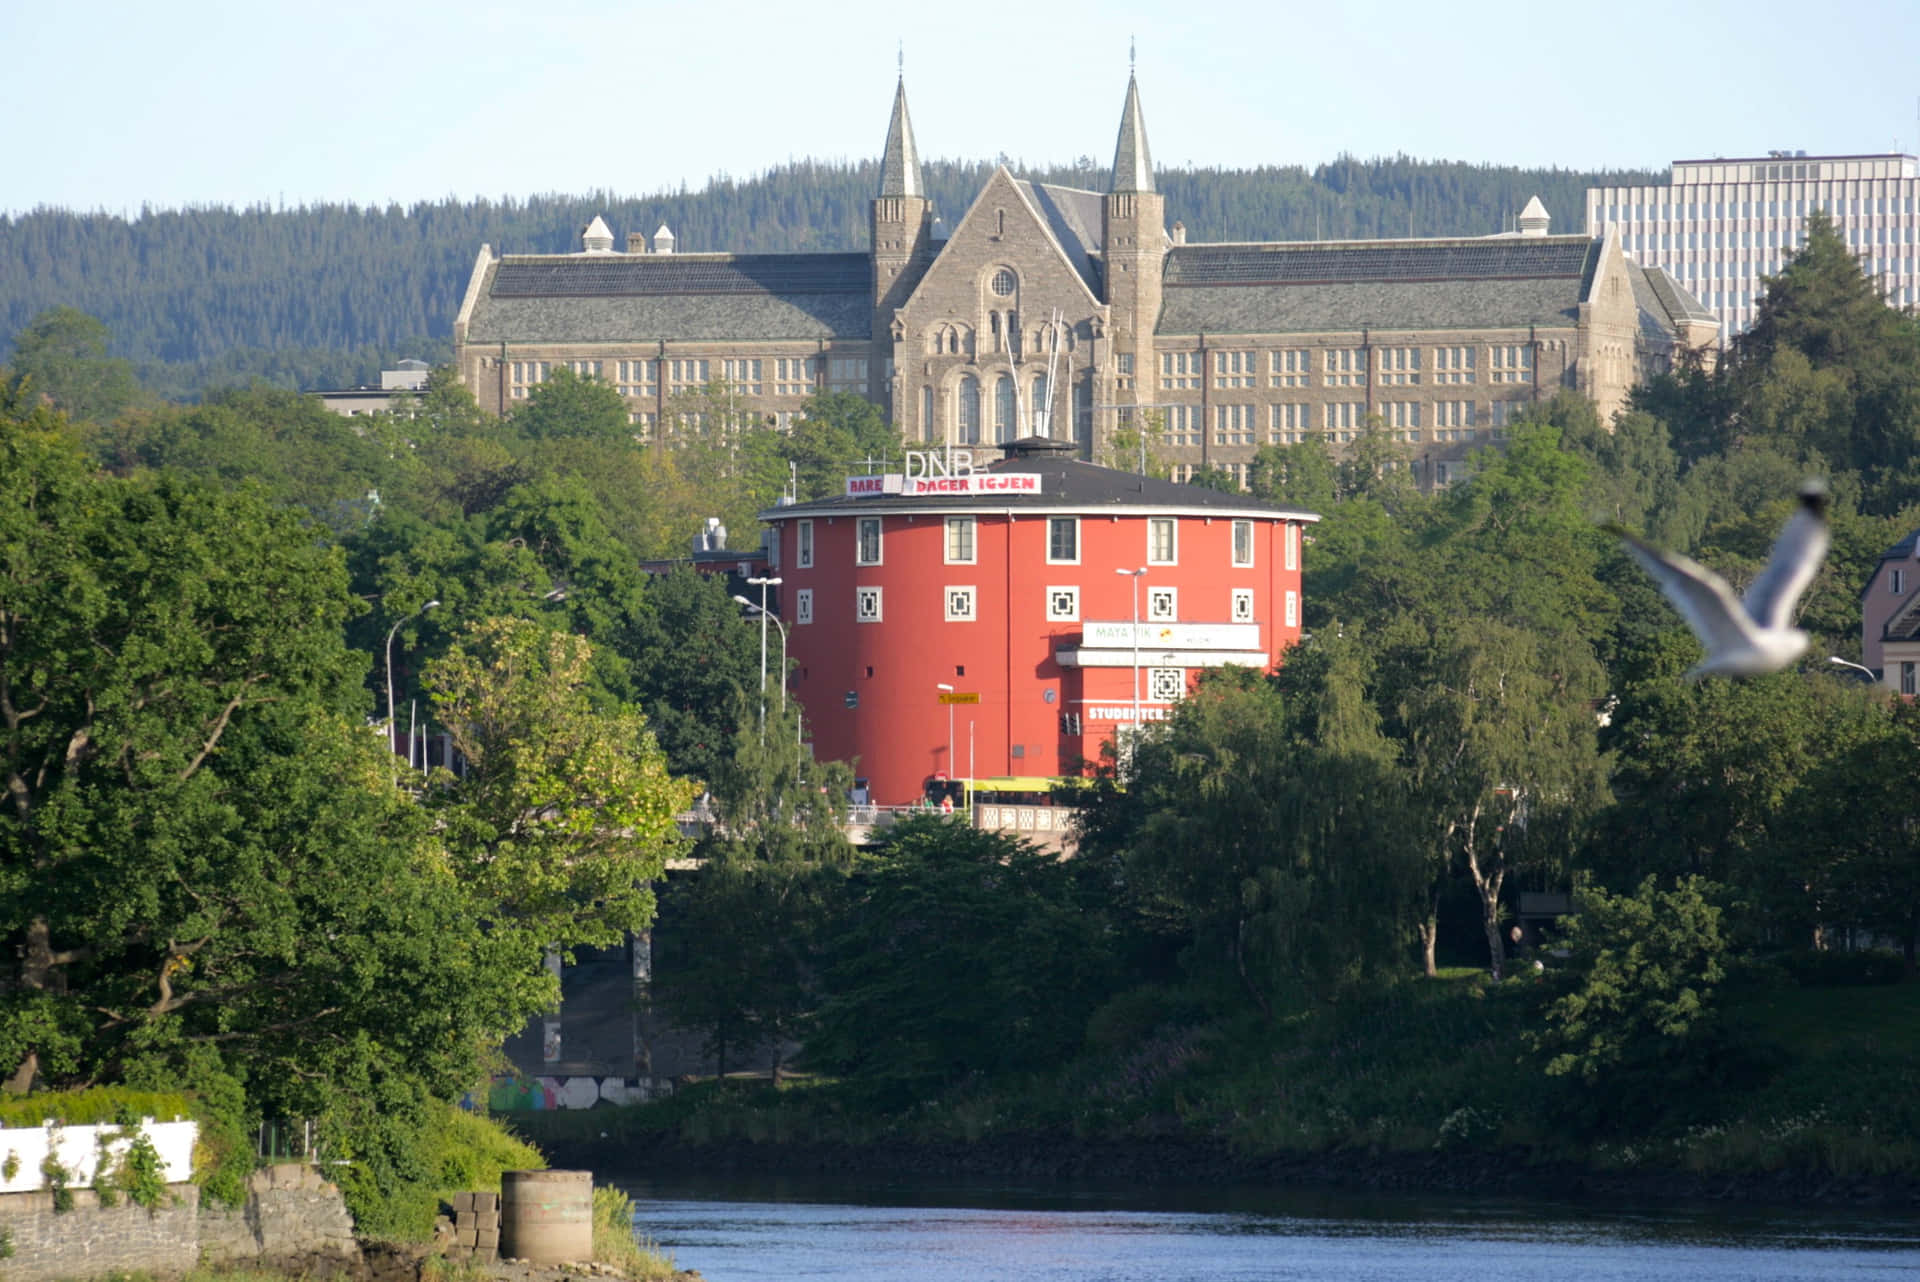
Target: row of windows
column 1063, row 542
column 1338, row 366
column 961, row 603
column 791, row 375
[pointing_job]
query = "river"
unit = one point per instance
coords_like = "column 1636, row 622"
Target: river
column 946, row 1231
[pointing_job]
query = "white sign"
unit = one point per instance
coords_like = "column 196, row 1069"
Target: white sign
column 1185, row 636
column 976, row 483
column 949, row 462
column 1124, row 712
column 971, row 483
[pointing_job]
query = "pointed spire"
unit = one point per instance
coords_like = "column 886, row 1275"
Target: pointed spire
column 900, row 166
column 1534, row 219
column 1132, row 163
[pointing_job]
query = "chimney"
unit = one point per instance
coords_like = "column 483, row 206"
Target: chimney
column 1179, row 233
column 663, row 240
column 636, row 242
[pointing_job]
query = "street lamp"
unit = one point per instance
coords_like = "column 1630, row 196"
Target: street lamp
column 1849, row 663
column 949, row 689
column 764, row 616
column 389, row 647
column 1135, row 576
column 763, row 585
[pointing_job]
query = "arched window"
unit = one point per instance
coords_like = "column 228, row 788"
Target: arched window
column 969, row 411
column 1003, row 410
column 926, row 415
column 1040, row 411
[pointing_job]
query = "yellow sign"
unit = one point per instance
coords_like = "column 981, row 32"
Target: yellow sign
column 959, row 696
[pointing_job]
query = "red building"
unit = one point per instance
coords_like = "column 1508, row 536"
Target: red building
column 1001, row 601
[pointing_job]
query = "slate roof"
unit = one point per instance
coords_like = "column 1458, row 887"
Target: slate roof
column 1304, row 286
column 562, row 298
column 1067, row 484
column 1077, row 220
column 1674, row 298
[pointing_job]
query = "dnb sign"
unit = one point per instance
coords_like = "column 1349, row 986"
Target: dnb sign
column 948, row 472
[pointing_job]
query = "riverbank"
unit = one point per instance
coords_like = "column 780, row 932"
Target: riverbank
column 1177, row 1161
column 1804, row 1095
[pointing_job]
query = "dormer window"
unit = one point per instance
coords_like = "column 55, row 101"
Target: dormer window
column 1898, row 581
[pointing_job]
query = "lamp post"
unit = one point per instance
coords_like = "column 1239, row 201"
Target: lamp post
column 949, row 689
column 389, row 648
column 798, row 736
column 1849, row 663
column 763, row 585
column 1135, row 576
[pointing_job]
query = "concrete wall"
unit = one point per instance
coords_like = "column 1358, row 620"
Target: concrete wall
column 91, row 1240
column 293, row 1216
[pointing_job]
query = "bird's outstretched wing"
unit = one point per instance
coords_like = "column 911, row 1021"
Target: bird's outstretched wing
column 1797, row 555
column 1702, row 597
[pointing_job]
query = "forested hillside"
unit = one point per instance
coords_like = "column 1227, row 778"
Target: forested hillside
column 325, row 295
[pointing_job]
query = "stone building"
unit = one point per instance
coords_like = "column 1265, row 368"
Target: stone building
column 1074, row 314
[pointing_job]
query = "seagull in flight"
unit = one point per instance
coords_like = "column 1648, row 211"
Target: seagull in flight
column 1755, row 635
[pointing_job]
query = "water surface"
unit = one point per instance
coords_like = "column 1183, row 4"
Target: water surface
column 954, row 1231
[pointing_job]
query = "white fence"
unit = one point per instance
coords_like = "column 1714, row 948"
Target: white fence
column 24, row 1151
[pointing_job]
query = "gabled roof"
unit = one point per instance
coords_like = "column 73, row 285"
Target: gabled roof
column 1068, row 485
column 558, row 298
column 1904, row 625
column 1076, row 218
column 1679, row 304
column 1299, row 286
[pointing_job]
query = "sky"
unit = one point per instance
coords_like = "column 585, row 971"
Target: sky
column 129, row 103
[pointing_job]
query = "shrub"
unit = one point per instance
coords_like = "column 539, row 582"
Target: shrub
column 1829, row 969
column 614, row 1241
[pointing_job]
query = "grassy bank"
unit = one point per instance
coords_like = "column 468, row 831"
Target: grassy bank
column 1809, row 1079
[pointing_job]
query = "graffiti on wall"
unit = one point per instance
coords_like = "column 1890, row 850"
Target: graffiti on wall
column 509, row 1094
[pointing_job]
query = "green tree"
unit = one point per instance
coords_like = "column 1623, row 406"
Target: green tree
column 1303, row 475
column 565, row 404
column 1501, row 742
column 836, row 436
column 62, row 355
column 206, row 875
column 563, row 817
column 1638, row 1010
column 748, row 921
column 961, row 951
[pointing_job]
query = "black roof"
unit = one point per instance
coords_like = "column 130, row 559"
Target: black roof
column 1067, row 483
column 601, row 275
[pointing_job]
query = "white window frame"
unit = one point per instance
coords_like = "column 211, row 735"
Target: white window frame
column 1242, row 526
column 1075, row 558
column 1158, row 593
column 1173, row 540
column 867, row 605
column 860, row 526
column 1293, row 608
column 802, row 606
column 1242, row 611
column 973, row 546
column 1293, row 546
column 1166, row 685
column 1070, row 611
column 961, row 602
column 803, row 545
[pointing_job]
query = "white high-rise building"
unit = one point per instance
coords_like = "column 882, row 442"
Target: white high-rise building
column 1718, row 226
